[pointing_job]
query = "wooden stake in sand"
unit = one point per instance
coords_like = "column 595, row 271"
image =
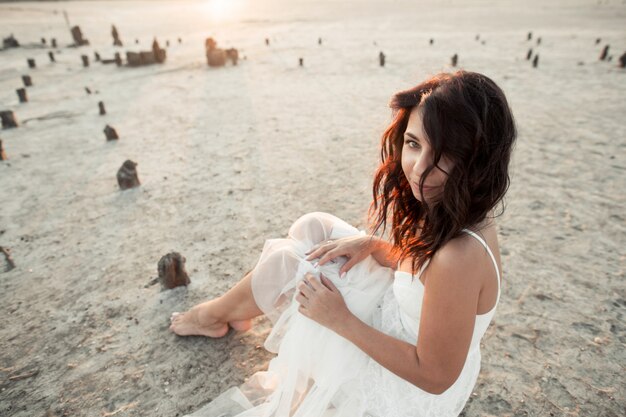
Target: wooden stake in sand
column 319, row 41
column 101, row 107
column 301, row 61
column 96, row 56
column 604, row 53
column 77, row 35
column 51, row 56
column 530, row 36
column 539, row 40
column 598, row 40
column 454, row 60
column 7, row 255
column 622, row 60
column 381, row 59
column 171, row 268
column 110, row 133
column 180, row 41
column 8, row 119
column 53, row 42
column 431, row 41
column 87, row 90
column 118, row 59
column 21, row 93
column 43, row 41
column 28, row 82
column 3, row 155
column 127, row 175
column 233, row 55
column 31, row 63
column 85, row 59
column 529, row 54
column 536, row 61
column 116, row 36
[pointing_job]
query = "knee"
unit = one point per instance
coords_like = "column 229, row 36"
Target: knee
column 314, row 226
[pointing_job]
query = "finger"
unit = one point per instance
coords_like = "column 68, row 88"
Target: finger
column 319, row 250
column 328, row 283
column 315, row 283
column 302, row 300
column 304, row 288
column 346, row 267
column 331, row 254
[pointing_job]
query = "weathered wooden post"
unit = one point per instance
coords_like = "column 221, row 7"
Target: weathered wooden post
column 8, row 119
column 118, row 59
column 96, row 56
column 51, row 56
column 110, row 133
column 622, row 60
column 455, row 59
column 85, row 59
column 172, row 273
column 101, row 107
column 381, row 59
column 28, row 82
column 530, row 36
column 536, row 61
column 21, row 93
column 301, row 61
column 3, row 155
column 529, row 54
column 31, row 63
column 53, row 42
column 127, row 175
column 116, row 36
column 604, row 53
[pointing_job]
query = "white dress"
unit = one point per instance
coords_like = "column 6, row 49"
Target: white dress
column 318, row 373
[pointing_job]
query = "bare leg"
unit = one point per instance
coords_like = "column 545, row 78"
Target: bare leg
column 211, row 318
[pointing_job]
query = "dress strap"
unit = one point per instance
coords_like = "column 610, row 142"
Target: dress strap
column 493, row 258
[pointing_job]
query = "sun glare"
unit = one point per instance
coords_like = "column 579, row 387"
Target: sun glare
column 223, row 9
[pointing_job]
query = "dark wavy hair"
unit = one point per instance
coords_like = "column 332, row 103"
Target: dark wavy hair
column 466, row 118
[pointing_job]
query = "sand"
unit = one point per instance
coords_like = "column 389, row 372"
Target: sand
column 232, row 156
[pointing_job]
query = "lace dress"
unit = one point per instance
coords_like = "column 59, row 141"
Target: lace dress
column 317, row 373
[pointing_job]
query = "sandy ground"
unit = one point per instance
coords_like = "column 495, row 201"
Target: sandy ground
column 233, row 156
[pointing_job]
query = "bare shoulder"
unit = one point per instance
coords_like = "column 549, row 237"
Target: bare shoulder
column 459, row 259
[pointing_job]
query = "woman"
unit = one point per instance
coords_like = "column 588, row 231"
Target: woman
column 367, row 327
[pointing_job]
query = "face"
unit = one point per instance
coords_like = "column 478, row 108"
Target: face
column 417, row 155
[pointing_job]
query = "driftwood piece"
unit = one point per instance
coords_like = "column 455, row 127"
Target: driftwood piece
column 604, row 53
column 110, row 133
column 77, row 35
column 51, row 56
column 7, row 255
column 10, row 42
column 127, row 175
column 216, row 57
column 233, row 55
column 171, row 268
column 101, row 107
column 3, row 155
column 8, row 119
column 28, row 82
column 31, row 63
column 21, row 93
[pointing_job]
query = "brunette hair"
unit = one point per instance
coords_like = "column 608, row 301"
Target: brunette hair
column 466, row 118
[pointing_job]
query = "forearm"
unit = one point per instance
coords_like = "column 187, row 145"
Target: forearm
column 384, row 252
column 396, row 355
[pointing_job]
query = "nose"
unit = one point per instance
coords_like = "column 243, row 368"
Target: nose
column 419, row 165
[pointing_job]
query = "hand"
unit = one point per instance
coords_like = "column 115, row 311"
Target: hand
column 355, row 248
column 322, row 302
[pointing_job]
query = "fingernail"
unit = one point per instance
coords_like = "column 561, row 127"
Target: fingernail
column 343, row 275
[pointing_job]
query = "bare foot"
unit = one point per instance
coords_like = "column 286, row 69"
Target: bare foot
column 188, row 324
column 241, row 325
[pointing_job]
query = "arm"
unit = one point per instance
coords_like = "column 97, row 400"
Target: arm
column 448, row 314
column 384, row 252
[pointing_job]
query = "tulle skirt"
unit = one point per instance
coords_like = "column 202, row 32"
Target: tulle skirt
column 317, row 373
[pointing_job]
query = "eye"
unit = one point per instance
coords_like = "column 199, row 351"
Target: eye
column 412, row 144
